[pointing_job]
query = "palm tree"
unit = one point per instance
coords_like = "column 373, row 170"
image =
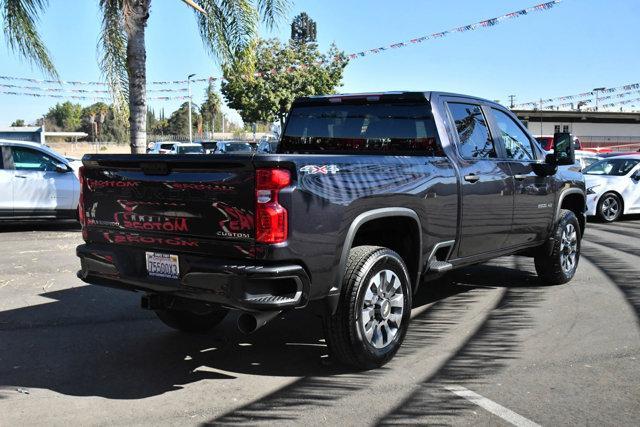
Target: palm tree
column 226, row 26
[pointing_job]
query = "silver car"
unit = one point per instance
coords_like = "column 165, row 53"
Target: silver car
column 36, row 182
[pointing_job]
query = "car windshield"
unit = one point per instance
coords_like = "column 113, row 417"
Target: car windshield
column 188, row 149
column 612, row 167
column 166, row 146
column 236, row 147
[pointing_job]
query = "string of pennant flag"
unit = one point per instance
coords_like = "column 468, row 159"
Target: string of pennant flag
column 600, row 98
column 83, row 97
column 625, row 88
column 481, row 24
column 88, row 83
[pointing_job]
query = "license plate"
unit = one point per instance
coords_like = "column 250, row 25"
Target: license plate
column 162, row 265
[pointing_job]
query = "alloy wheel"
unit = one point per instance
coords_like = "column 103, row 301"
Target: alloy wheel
column 382, row 308
column 568, row 248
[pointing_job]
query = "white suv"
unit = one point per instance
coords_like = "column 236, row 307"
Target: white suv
column 36, row 182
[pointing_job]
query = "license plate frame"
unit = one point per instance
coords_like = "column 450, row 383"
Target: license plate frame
column 162, row 265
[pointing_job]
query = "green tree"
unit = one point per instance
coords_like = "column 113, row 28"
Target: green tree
column 285, row 72
column 303, row 29
column 100, row 122
column 66, row 116
column 179, row 120
column 210, row 109
column 225, row 26
column 18, row 123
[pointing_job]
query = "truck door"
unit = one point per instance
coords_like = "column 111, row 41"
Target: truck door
column 534, row 195
column 487, row 198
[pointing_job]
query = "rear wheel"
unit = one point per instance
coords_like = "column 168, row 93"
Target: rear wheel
column 373, row 313
column 609, row 207
column 187, row 321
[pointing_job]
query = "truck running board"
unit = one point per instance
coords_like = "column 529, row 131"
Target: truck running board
column 439, row 266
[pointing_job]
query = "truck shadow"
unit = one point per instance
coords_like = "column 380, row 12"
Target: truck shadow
column 92, row 341
column 40, row 225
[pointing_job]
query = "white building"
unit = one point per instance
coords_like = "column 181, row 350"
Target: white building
column 594, row 128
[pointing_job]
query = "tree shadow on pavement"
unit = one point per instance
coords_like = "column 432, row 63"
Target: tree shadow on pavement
column 497, row 344
column 487, row 351
column 93, row 341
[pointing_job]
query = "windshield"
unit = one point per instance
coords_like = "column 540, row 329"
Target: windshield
column 377, row 128
column 235, row 147
column 166, row 146
column 189, row 149
column 612, row 167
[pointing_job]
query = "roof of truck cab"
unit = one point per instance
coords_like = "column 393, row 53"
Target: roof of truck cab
column 428, row 95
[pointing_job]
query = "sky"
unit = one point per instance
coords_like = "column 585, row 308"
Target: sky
column 574, row 47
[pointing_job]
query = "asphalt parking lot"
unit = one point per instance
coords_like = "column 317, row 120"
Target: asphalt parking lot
column 487, row 345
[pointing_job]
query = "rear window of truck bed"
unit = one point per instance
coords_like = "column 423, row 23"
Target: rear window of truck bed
column 404, row 128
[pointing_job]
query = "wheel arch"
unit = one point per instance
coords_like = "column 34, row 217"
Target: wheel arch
column 362, row 232
column 573, row 199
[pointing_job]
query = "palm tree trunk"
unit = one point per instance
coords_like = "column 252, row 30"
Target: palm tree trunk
column 137, row 69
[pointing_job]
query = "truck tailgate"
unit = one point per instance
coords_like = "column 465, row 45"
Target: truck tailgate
column 198, row 204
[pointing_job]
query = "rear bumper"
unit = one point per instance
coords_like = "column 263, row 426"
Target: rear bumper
column 244, row 285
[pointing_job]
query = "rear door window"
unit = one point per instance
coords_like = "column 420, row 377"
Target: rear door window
column 404, row 128
column 473, row 131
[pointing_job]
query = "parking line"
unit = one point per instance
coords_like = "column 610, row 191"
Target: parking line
column 493, row 407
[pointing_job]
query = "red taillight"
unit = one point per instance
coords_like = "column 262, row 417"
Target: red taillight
column 81, row 215
column 271, row 218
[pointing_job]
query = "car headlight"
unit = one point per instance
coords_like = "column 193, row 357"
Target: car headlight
column 590, row 189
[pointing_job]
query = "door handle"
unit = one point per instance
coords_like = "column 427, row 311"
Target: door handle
column 472, row 178
column 20, row 176
column 519, row 177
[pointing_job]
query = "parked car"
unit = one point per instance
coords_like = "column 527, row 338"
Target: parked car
column 585, row 158
column 267, row 145
column 367, row 197
column 613, row 187
column 209, row 147
column 186, row 148
column 546, row 142
column 36, row 183
column 233, row 147
column 163, row 147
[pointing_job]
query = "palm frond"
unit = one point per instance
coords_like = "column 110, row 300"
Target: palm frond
column 272, row 10
column 226, row 26
column 20, row 18
column 112, row 48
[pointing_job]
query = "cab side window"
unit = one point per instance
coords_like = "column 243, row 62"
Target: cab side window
column 473, row 132
column 27, row 159
column 516, row 142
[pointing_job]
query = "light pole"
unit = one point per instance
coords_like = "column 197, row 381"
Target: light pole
column 596, row 90
column 190, row 126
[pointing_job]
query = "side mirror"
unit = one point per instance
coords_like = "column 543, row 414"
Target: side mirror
column 62, row 168
column 549, row 167
column 563, row 149
column 636, row 176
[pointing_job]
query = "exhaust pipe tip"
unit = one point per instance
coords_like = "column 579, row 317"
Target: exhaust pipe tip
column 251, row 322
column 247, row 323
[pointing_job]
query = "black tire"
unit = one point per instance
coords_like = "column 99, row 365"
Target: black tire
column 552, row 269
column 344, row 331
column 187, row 321
column 605, row 209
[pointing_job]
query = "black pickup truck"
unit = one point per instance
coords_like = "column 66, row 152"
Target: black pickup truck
column 367, row 198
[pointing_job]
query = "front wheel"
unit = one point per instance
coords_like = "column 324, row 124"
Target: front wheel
column 373, row 313
column 561, row 265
